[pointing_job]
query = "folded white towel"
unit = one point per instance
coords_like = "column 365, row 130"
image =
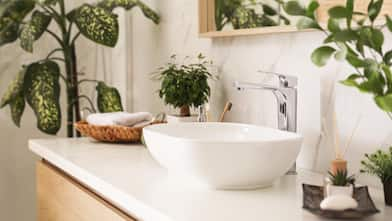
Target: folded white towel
column 119, row 118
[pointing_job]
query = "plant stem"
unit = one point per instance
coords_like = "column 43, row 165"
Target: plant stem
column 75, row 85
column 75, row 38
column 58, row 39
column 70, row 68
column 53, row 51
column 89, row 101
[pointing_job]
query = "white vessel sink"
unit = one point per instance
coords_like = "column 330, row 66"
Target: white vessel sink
column 224, row 155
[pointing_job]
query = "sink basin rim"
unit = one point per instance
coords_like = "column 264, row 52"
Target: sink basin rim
column 287, row 136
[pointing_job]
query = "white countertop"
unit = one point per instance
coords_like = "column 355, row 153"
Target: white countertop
column 128, row 177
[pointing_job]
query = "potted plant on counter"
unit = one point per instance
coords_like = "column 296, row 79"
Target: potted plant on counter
column 380, row 165
column 184, row 86
column 340, row 183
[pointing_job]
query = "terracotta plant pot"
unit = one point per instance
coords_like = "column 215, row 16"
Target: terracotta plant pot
column 388, row 192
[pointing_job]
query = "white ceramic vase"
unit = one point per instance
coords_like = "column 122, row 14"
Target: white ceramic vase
column 332, row 190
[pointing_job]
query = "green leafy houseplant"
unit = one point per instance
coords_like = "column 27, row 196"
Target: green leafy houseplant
column 380, row 165
column 247, row 14
column 185, row 85
column 38, row 83
column 354, row 37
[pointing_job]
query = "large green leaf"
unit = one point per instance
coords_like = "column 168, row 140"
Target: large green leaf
column 388, row 58
column 374, row 84
column 13, row 89
column 12, row 13
column 112, row 4
column 42, row 93
column 130, row 4
column 148, row 12
column 311, row 9
column 345, row 35
column 377, row 39
column 322, row 54
column 351, row 81
column 389, row 22
column 14, row 97
column 384, row 102
column 338, row 12
column 307, row 23
column 109, row 99
column 294, row 8
column 388, row 76
column 374, row 9
column 354, row 60
column 33, row 30
column 17, row 108
column 96, row 23
column 333, row 25
column 268, row 10
column 350, row 11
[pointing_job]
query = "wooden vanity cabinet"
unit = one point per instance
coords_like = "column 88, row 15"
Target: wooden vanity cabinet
column 61, row 198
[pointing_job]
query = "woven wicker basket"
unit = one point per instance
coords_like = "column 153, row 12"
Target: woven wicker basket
column 112, row 134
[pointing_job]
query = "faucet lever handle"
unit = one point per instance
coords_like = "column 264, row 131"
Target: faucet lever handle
column 284, row 80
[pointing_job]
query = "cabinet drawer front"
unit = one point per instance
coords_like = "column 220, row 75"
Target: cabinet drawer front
column 60, row 198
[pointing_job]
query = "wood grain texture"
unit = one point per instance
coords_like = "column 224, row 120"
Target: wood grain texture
column 60, row 198
column 203, row 16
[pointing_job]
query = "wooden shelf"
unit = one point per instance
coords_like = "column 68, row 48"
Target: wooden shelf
column 253, row 31
column 207, row 19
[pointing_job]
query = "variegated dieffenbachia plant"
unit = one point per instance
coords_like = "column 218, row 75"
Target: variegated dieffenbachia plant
column 38, row 84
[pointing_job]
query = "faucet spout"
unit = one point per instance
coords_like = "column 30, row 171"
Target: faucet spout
column 248, row 85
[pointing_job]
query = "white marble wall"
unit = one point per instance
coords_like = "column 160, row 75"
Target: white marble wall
column 238, row 58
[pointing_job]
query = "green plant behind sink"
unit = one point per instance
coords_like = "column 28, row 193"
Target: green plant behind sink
column 378, row 164
column 185, row 85
column 38, row 83
column 354, row 37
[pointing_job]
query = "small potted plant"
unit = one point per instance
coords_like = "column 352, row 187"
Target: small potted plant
column 380, row 165
column 340, row 183
column 184, row 86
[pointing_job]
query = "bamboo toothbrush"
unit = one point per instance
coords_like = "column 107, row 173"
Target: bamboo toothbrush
column 227, row 108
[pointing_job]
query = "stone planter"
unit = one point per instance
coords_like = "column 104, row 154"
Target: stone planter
column 388, row 192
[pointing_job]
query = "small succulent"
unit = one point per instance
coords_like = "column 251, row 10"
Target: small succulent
column 341, row 178
column 379, row 164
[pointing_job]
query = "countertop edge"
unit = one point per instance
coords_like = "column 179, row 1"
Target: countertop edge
column 124, row 202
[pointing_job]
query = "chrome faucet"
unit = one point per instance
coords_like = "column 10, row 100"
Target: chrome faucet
column 286, row 95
